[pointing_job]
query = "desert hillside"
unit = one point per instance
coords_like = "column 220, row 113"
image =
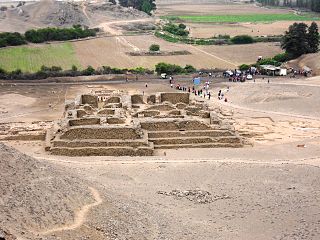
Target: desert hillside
column 34, row 196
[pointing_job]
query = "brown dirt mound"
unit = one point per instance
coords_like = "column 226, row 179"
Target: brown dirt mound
column 309, row 60
column 35, row 197
column 44, row 13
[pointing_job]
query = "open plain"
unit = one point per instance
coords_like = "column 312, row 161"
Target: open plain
column 271, row 187
column 265, row 188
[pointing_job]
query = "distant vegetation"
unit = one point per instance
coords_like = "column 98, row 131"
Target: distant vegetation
column 218, row 40
column 11, row 39
column 301, row 39
column 179, row 30
column 173, row 69
column 30, row 59
column 46, row 34
column 146, row 6
column 154, row 48
column 298, row 40
column 242, row 39
column 58, row 34
column 245, row 18
column 56, row 71
column 313, row 5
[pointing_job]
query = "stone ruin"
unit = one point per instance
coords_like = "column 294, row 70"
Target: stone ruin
column 109, row 123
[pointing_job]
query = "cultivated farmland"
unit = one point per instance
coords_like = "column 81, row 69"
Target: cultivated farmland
column 112, row 52
column 246, row 18
column 31, row 58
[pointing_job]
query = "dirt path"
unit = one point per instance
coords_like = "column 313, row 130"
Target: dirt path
column 267, row 112
column 212, row 55
column 80, row 216
column 107, row 27
column 314, row 161
column 84, row 10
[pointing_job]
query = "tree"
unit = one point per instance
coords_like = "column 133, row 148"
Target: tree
column 154, row 48
column 242, row 39
column 143, row 5
column 295, row 40
column 88, row 71
column 146, row 7
column 313, row 38
column 244, row 67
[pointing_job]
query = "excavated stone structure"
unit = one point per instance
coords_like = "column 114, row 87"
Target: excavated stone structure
column 118, row 124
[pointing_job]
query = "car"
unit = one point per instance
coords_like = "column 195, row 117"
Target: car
column 249, row 77
column 163, row 75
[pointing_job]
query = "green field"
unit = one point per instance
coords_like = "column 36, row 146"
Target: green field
column 246, row 18
column 31, row 58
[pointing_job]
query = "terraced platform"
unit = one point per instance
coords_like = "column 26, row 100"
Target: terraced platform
column 132, row 127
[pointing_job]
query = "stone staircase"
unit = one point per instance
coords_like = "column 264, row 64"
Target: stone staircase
column 190, row 134
column 102, row 141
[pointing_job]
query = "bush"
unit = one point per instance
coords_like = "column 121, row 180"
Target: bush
column 269, row 61
column 173, row 69
column 242, row 39
column 174, row 29
column 89, row 71
column 282, row 57
column 182, row 26
column 190, row 69
column 54, row 71
column 11, row 39
column 58, row 34
column 154, row 48
column 244, row 67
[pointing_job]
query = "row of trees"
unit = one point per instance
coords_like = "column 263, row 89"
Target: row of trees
column 11, row 39
column 179, row 30
column 46, row 34
column 301, row 39
column 173, row 68
column 314, row 5
column 59, row 34
column 55, row 71
column 146, row 6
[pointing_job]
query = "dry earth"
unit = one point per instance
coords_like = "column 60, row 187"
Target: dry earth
column 112, row 52
column 268, row 191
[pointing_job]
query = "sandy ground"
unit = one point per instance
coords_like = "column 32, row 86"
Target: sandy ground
column 112, row 51
column 215, row 7
column 207, row 30
column 310, row 60
column 268, row 191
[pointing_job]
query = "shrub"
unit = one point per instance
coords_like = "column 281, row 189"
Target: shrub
column 244, row 67
column 154, row 48
column 182, row 26
column 58, row 34
column 269, row 61
column 190, row 69
column 11, row 39
column 88, row 71
column 173, row 68
column 242, row 39
column 282, row 57
column 176, row 29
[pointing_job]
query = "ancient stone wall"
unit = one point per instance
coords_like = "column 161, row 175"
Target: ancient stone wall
column 84, row 121
column 137, row 99
column 92, row 100
column 101, row 132
column 175, row 98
